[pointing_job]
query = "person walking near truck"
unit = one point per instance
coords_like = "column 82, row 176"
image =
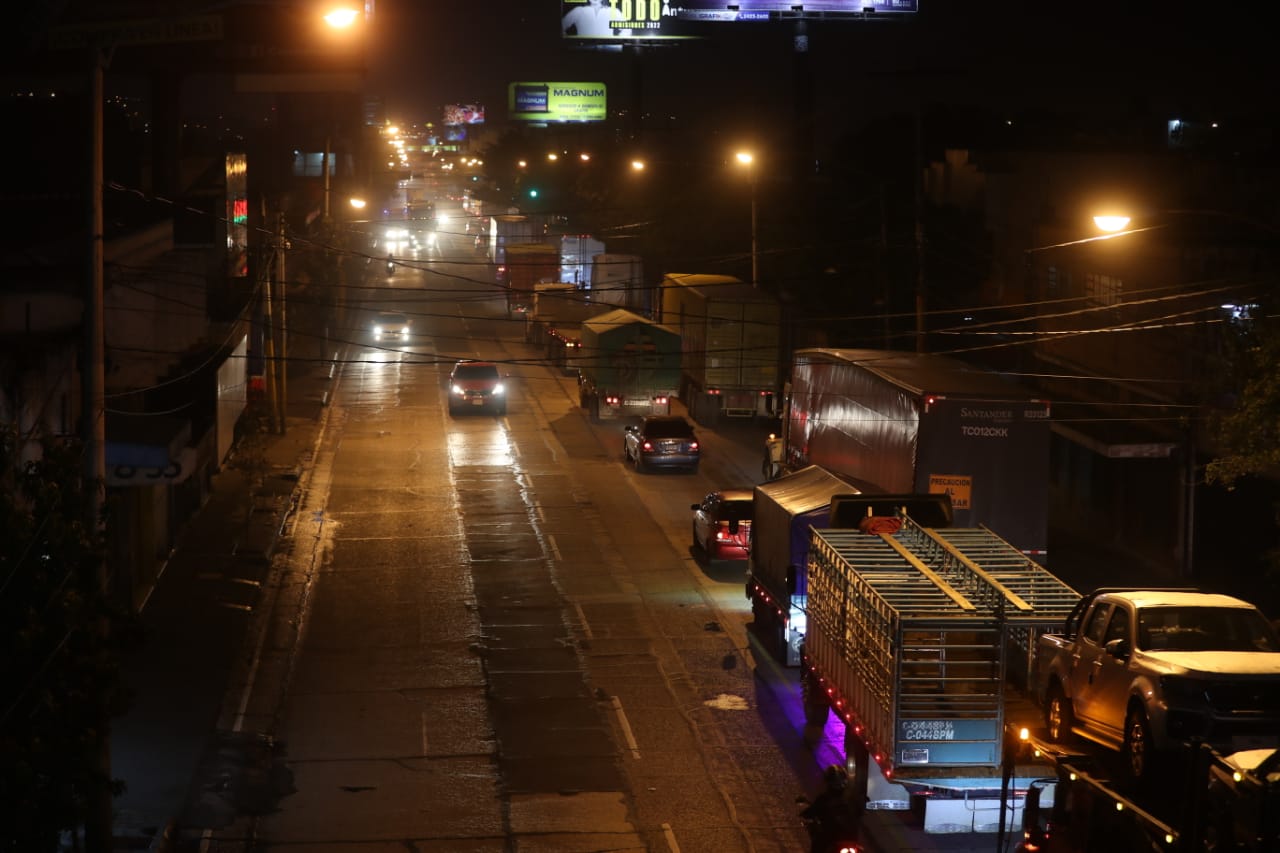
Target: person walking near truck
column 773, row 449
column 832, row 820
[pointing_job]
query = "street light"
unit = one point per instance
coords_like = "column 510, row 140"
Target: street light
column 747, row 159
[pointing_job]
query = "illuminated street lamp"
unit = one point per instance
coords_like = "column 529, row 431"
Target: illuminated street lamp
column 747, row 159
column 1111, row 222
column 637, row 165
column 341, row 18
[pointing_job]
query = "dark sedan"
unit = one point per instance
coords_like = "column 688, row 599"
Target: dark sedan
column 662, row 441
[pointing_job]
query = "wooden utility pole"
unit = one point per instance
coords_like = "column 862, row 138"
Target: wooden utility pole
column 269, row 347
column 283, row 374
column 98, row 828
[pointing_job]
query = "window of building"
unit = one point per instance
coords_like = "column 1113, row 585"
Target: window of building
column 1102, row 289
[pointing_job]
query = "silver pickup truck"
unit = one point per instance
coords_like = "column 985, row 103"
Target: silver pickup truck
column 1143, row 671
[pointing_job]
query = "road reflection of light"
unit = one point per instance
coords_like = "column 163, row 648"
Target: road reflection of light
column 484, row 442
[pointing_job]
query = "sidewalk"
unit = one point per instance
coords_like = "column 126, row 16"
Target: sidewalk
column 196, row 619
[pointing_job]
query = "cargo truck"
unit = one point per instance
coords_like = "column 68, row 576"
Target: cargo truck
column 576, row 254
column 554, row 322
column 618, row 280
column 914, row 423
column 627, row 366
column 923, row 639
column 507, row 228
column 527, row 265
column 782, row 512
column 730, row 334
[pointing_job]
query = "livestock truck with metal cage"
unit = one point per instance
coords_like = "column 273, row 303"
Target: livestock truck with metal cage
column 923, row 640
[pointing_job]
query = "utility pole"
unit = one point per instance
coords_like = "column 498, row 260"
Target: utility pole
column 98, row 827
column 919, row 205
column 269, row 343
column 283, row 374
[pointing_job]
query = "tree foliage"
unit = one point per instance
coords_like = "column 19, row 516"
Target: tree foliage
column 62, row 640
column 1248, row 431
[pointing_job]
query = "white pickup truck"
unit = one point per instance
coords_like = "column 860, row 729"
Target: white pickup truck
column 1144, row 671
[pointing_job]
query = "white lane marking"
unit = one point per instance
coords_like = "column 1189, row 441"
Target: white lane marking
column 582, row 620
column 670, row 835
column 626, row 728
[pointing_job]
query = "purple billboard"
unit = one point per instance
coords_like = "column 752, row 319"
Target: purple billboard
column 463, row 114
column 620, row 20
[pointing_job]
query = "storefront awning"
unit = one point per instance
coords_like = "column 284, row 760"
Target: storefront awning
column 1115, row 439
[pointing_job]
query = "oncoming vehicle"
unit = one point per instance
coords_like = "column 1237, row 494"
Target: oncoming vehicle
column 391, row 326
column 722, row 524
column 662, row 441
column 476, row 385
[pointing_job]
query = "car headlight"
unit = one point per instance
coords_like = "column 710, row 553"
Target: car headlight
column 497, row 389
column 404, row 333
column 457, row 389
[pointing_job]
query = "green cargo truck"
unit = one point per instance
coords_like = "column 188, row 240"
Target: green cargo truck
column 627, row 366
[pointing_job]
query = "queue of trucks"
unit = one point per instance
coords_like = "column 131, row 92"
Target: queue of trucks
column 899, row 560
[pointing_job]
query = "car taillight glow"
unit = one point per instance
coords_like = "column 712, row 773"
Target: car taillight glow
column 693, row 445
column 648, row 445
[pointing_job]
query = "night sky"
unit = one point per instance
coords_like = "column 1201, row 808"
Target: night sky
column 1197, row 60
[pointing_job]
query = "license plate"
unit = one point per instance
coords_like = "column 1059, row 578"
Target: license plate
column 477, row 401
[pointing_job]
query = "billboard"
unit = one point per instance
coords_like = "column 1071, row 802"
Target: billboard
column 463, row 114
column 622, row 20
column 237, row 208
column 554, row 102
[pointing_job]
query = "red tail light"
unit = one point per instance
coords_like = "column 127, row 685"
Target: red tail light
column 693, row 445
column 648, row 445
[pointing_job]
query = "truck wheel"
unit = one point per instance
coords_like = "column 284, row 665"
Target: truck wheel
column 1058, row 717
column 1137, row 743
